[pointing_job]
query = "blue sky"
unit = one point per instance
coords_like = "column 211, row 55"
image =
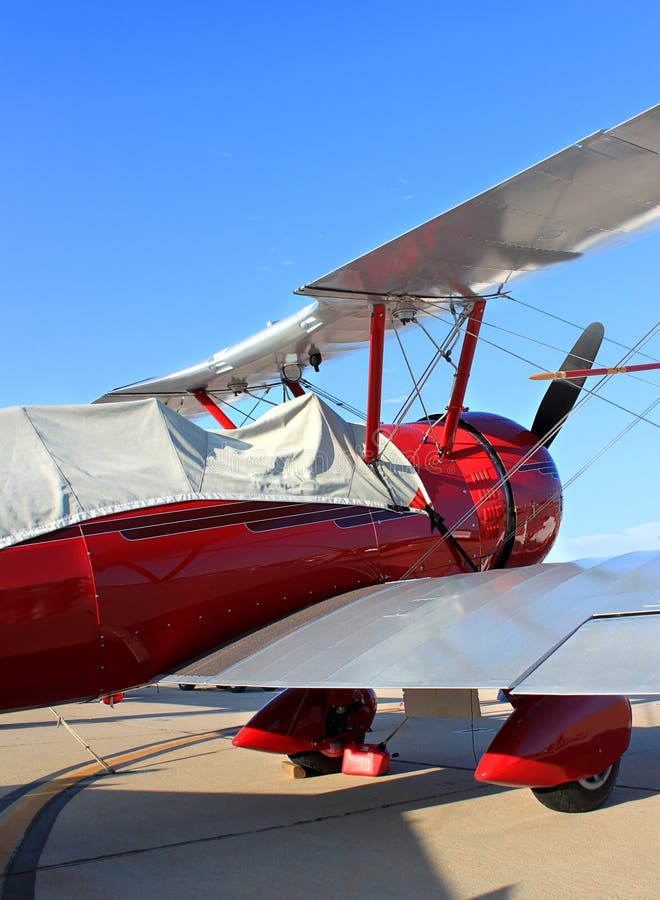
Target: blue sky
column 172, row 172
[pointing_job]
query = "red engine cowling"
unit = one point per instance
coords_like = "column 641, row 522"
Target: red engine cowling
column 547, row 741
column 300, row 720
column 498, row 491
column 534, row 488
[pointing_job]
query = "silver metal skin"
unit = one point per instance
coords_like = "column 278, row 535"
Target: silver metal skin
column 592, row 194
column 585, row 627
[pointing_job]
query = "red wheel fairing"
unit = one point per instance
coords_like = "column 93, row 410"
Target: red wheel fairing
column 547, row 741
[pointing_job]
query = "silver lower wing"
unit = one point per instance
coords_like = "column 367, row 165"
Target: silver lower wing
column 585, row 627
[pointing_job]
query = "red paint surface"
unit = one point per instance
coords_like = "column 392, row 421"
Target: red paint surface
column 113, row 699
column 296, row 389
column 49, row 629
column 365, row 759
column 548, row 741
column 297, row 721
column 455, row 407
column 375, row 381
column 112, row 603
column 213, row 409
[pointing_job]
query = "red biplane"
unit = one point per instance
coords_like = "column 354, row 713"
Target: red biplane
column 134, row 541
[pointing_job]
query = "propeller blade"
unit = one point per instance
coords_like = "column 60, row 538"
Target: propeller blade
column 608, row 370
column 560, row 397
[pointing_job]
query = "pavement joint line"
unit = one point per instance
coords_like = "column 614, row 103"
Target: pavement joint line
column 30, row 804
column 22, row 812
column 248, row 832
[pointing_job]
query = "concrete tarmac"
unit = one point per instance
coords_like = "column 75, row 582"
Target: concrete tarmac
column 188, row 815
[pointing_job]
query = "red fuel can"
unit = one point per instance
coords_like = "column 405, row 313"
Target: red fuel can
column 365, row 759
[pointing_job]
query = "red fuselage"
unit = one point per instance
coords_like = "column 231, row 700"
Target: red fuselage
column 115, row 601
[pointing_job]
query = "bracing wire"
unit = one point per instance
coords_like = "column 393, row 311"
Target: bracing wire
column 547, row 346
column 249, row 415
column 542, row 440
column 442, row 352
column 634, row 351
column 326, row 395
column 588, row 394
column 624, row 431
column 550, row 315
column 590, row 462
column 416, row 387
column 410, row 399
column 261, row 399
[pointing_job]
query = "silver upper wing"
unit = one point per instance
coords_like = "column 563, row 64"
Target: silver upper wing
column 592, row 194
column 586, row 627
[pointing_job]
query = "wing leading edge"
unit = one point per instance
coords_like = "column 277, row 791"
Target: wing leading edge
column 586, row 627
column 589, row 195
column 592, row 194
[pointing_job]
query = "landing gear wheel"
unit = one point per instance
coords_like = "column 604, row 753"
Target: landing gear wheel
column 579, row 796
column 316, row 763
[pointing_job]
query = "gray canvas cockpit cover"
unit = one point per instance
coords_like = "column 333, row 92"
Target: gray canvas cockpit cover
column 64, row 464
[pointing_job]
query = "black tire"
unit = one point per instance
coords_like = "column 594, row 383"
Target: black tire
column 584, row 795
column 317, row 764
column 187, row 687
